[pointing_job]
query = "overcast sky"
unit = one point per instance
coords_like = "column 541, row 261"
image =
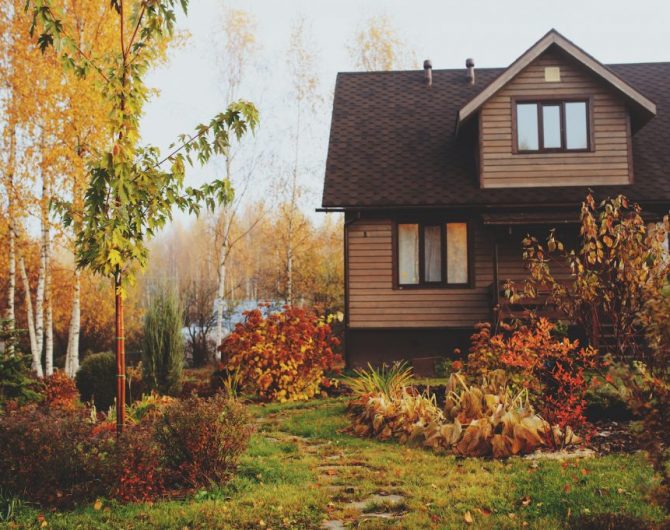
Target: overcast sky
column 493, row 32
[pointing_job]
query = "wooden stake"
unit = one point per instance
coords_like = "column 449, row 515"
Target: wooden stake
column 120, row 359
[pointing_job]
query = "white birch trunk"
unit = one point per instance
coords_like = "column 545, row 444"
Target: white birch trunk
column 48, row 325
column 11, row 287
column 220, row 293
column 41, row 275
column 12, row 232
column 36, row 354
column 72, row 354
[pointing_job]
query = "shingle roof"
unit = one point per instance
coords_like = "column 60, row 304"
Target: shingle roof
column 392, row 143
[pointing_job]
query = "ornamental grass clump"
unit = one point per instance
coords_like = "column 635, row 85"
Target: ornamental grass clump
column 389, row 381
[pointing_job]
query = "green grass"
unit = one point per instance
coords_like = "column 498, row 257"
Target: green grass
column 301, row 468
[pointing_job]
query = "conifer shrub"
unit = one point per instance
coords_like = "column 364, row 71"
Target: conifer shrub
column 16, row 381
column 163, row 344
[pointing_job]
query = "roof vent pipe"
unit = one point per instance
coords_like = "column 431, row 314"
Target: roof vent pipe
column 470, row 65
column 428, row 72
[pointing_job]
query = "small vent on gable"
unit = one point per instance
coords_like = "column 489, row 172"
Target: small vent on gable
column 552, row 74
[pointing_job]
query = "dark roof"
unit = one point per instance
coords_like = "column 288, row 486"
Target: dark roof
column 392, row 143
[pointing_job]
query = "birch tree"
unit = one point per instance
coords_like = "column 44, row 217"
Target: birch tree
column 378, row 46
column 238, row 50
column 305, row 97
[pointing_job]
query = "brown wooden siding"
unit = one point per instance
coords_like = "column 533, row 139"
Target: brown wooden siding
column 374, row 303
column 607, row 164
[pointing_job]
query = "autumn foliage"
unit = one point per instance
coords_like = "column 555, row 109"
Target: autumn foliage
column 283, row 356
column 64, row 456
column 60, row 392
column 553, row 369
column 487, row 419
column 618, row 263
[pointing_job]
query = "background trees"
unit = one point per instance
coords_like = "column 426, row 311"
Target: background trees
column 271, row 244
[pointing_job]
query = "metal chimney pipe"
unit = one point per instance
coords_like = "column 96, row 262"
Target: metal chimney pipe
column 428, row 72
column 470, row 65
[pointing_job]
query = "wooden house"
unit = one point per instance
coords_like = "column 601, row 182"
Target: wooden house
column 441, row 173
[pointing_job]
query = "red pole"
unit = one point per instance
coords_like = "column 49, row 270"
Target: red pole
column 120, row 359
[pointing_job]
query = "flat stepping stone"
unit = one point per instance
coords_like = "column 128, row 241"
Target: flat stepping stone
column 333, row 525
column 391, row 500
column 381, row 515
column 562, row 455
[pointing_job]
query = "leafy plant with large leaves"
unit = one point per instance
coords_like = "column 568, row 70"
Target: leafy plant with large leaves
column 133, row 189
column 484, row 420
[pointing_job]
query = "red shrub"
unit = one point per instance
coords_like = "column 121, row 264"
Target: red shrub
column 50, row 457
column 138, row 472
column 201, row 439
column 283, row 356
column 60, row 392
column 553, row 369
column 62, row 458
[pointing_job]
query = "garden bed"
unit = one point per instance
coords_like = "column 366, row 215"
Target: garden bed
column 301, row 470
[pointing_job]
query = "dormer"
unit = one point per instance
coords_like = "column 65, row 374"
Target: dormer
column 556, row 117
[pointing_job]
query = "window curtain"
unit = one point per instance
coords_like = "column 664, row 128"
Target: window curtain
column 432, row 254
column 408, row 254
column 457, row 253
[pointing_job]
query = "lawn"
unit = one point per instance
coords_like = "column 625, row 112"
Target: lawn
column 301, row 470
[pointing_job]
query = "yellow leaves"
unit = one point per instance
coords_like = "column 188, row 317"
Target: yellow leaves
column 97, row 505
column 467, row 517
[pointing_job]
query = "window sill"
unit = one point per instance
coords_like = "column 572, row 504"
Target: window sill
column 434, row 286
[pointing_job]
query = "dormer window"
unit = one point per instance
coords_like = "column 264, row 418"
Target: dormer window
column 551, row 126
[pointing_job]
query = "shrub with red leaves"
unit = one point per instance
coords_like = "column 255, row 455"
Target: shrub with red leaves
column 60, row 392
column 282, row 356
column 61, row 457
column 551, row 368
column 201, row 439
column 139, row 474
column 50, row 457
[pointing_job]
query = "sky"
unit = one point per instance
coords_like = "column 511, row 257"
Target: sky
column 493, row 32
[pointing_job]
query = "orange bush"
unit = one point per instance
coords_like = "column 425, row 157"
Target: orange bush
column 551, row 368
column 60, row 391
column 282, row 356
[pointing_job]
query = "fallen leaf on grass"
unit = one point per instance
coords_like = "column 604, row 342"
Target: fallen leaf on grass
column 525, row 501
column 467, row 517
column 567, row 488
column 97, row 505
column 485, row 512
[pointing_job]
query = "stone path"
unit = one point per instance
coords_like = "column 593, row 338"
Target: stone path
column 337, row 471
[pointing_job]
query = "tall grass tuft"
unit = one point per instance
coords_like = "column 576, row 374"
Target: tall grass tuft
column 163, row 343
column 386, row 380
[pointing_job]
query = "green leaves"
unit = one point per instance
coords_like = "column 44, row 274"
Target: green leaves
column 132, row 192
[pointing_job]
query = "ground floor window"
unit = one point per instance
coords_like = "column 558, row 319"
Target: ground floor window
column 432, row 254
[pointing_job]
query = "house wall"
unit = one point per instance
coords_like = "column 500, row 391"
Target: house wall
column 374, row 303
column 385, row 324
column 609, row 164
